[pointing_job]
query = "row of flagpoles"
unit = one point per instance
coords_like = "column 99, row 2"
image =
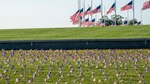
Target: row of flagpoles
column 79, row 16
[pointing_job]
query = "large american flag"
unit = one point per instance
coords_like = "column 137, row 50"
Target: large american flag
column 128, row 6
column 96, row 10
column 112, row 8
column 146, row 5
column 88, row 11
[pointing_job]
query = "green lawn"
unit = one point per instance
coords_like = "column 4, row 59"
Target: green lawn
column 76, row 33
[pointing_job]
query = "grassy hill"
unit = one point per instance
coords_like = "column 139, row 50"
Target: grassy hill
column 76, row 33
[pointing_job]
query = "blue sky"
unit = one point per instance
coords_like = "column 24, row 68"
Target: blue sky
column 54, row 13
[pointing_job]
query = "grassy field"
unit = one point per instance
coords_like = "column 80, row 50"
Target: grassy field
column 76, row 33
column 75, row 66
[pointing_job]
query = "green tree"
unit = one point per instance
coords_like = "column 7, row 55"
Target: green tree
column 106, row 20
column 133, row 20
column 118, row 19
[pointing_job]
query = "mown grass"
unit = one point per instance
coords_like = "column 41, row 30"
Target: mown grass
column 76, row 33
column 97, row 66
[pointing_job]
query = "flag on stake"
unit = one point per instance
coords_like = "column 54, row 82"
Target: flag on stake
column 128, row 6
column 112, row 8
column 146, row 5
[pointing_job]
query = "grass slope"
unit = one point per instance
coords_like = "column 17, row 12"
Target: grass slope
column 76, row 33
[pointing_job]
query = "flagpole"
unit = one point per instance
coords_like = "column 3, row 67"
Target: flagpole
column 133, row 12
column 115, row 14
column 104, row 14
column 102, row 9
column 79, row 16
column 141, row 16
column 88, row 14
column 95, row 19
column 84, row 10
column 128, row 17
column 91, row 8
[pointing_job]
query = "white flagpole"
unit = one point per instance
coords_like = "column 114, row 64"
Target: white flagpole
column 141, row 16
column 84, row 9
column 83, row 4
column 104, row 15
column 128, row 17
column 133, row 12
column 102, row 9
column 79, row 11
column 91, row 8
column 115, row 14
column 95, row 18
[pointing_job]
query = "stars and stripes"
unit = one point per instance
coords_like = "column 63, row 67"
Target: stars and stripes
column 96, row 10
column 86, row 22
column 82, row 13
column 112, row 8
column 88, row 11
column 74, row 15
column 146, row 5
column 93, row 22
column 128, row 6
